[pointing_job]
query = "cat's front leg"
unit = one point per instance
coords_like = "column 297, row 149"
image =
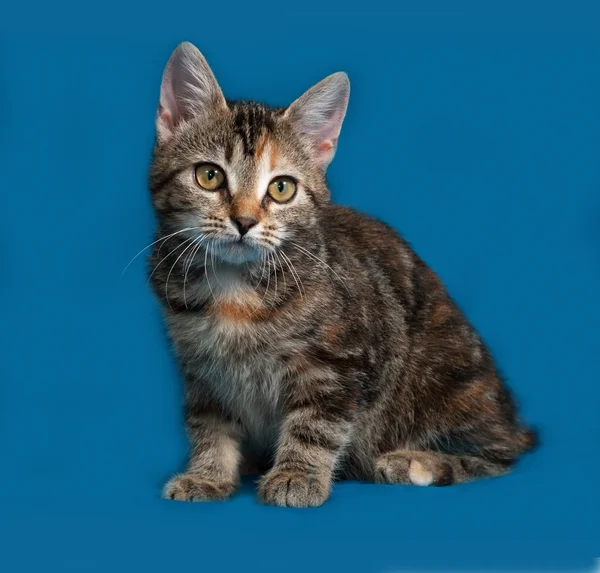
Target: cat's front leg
column 213, row 467
column 315, row 430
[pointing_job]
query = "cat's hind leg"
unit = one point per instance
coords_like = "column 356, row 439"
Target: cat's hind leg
column 433, row 468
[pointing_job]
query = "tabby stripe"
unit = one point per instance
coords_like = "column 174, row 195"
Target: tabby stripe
column 179, row 307
column 332, row 407
column 165, row 180
column 313, row 437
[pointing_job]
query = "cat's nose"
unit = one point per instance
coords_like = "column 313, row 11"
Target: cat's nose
column 244, row 224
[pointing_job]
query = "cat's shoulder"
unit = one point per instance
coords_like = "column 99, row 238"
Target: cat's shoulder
column 350, row 222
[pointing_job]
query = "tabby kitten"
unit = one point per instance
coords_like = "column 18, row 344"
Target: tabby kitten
column 313, row 341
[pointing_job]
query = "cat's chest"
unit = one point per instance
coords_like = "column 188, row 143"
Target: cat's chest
column 236, row 348
column 239, row 359
column 245, row 375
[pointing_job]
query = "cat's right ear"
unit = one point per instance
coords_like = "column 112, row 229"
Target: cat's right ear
column 188, row 90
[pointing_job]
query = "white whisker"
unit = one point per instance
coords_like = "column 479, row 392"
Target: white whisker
column 318, row 260
column 188, row 265
column 282, row 272
column 275, row 276
column 212, row 260
column 206, row 272
column 171, row 270
column 268, row 260
column 294, row 273
column 163, row 239
column 165, row 258
column 262, row 268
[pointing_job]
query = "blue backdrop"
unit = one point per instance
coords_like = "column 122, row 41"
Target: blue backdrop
column 485, row 127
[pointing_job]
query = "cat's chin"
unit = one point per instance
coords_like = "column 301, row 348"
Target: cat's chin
column 236, row 253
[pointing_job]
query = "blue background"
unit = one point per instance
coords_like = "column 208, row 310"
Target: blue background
column 484, row 126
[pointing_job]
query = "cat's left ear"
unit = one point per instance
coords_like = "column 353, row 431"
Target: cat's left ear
column 318, row 115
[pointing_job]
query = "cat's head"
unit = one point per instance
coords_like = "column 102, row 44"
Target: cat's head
column 243, row 176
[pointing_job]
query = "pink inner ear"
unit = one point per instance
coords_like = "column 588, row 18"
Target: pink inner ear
column 167, row 118
column 325, row 146
column 325, row 150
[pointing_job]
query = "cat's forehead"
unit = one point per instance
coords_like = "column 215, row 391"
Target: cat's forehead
column 252, row 125
column 256, row 148
column 257, row 138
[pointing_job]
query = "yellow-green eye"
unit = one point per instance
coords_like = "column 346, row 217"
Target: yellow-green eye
column 282, row 189
column 210, row 177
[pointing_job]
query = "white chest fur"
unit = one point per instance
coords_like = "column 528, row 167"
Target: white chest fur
column 237, row 358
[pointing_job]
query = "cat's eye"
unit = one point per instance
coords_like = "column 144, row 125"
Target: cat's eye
column 282, row 189
column 210, row 177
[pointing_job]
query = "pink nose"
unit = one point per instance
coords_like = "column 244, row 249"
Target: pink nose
column 244, row 224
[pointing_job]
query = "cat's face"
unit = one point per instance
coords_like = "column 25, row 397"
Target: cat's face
column 240, row 178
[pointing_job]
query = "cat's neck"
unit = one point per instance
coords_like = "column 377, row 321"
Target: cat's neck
column 228, row 281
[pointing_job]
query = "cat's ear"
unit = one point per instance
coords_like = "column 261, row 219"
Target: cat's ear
column 317, row 115
column 189, row 89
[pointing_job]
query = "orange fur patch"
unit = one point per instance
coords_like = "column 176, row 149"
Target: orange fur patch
column 246, row 206
column 260, row 146
column 441, row 313
column 434, row 278
column 475, row 396
column 331, row 333
column 237, row 311
column 251, row 308
column 274, row 156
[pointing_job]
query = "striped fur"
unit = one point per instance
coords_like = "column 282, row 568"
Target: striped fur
column 319, row 345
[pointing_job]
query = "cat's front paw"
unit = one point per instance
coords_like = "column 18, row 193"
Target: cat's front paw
column 190, row 487
column 293, row 488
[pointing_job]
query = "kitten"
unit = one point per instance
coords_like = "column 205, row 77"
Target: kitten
column 313, row 341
